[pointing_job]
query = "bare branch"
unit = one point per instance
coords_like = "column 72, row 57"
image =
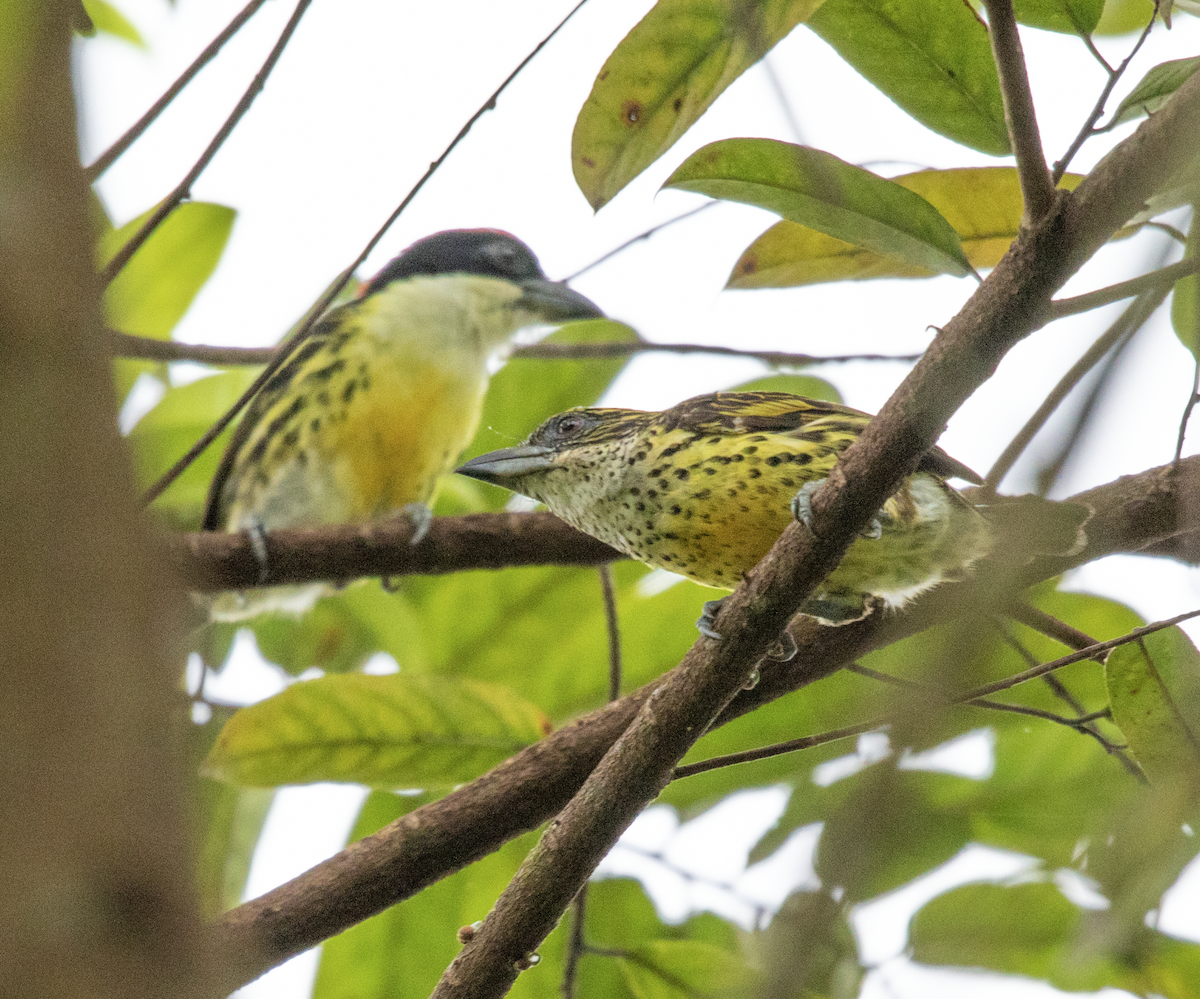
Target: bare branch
column 638, row 239
column 305, row 326
column 127, row 345
column 1036, row 186
column 1089, row 127
column 1125, row 289
column 1187, row 410
column 184, row 187
column 614, row 632
column 1049, row 626
column 109, row 156
column 1129, row 321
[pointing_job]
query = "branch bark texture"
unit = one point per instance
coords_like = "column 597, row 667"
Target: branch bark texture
column 521, row 794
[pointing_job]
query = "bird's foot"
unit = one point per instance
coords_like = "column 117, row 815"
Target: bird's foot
column 706, row 622
column 802, row 511
column 258, row 545
column 421, row 517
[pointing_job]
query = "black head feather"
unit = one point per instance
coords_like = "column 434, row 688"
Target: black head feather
column 488, row 252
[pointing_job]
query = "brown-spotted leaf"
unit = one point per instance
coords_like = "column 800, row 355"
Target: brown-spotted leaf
column 663, row 76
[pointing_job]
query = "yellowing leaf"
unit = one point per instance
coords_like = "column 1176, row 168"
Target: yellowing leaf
column 825, row 193
column 392, row 731
column 983, row 204
column 663, row 76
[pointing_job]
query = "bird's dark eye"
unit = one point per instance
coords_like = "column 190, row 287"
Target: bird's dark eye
column 568, row 425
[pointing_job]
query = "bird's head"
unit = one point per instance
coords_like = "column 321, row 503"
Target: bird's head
column 483, row 281
column 572, row 457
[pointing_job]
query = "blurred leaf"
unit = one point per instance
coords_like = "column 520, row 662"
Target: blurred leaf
column 682, row 969
column 1185, row 304
column 402, row 952
column 983, row 204
column 1072, row 17
column 823, row 192
column 1030, row 929
column 234, row 820
column 164, row 435
column 808, row 949
column 932, row 57
column 156, row 287
column 383, row 731
column 107, row 19
column 1120, row 17
column 809, row 386
column 1155, row 89
column 663, row 76
column 1154, row 687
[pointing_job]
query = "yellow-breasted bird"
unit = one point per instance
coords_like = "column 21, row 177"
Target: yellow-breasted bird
column 385, row 393
column 705, row 488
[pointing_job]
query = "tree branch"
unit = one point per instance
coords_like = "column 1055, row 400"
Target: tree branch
column 127, row 345
column 1168, row 275
column 109, row 156
column 439, row 838
column 184, row 188
column 1019, row 115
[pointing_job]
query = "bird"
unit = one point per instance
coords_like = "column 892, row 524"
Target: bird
column 705, row 488
column 380, row 399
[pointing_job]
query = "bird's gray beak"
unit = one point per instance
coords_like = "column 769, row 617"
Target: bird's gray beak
column 555, row 302
column 500, row 467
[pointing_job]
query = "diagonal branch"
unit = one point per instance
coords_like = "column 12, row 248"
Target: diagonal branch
column 1019, row 115
column 134, row 132
column 1002, row 311
column 523, row 792
column 184, row 187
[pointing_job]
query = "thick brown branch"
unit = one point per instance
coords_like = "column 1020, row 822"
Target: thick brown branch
column 1019, row 115
column 433, row 841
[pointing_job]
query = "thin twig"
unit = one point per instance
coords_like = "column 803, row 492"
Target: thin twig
column 127, row 345
column 1089, row 126
column 1170, row 230
column 109, row 156
column 809, row 741
column 184, row 188
column 334, row 290
column 1168, row 275
column 576, row 946
column 781, row 97
column 1187, row 410
column 1036, row 186
column 637, row 239
column 1050, row 626
column 1131, row 319
column 614, row 631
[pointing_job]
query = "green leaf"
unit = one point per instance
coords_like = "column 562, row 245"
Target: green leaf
column 1155, row 89
column 808, row 386
column 1185, row 302
column 1030, row 929
column 383, row 731
column 1072, row 17
column 663, row 76
column 808, row 949
column 1123, row 16
column 156, row 287
column 823, row 192
column 983, row 204
column 1154, row 687
column 932, row 57
column 164, row 434
column 234, row 818
column 681, row 969
column 107, row 19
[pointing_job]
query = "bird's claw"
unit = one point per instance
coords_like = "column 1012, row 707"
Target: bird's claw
column 421, row 517
column 802, row 511
column 708, row 618
column 258, row 545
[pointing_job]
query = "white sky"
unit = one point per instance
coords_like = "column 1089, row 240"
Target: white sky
column 370, row 92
